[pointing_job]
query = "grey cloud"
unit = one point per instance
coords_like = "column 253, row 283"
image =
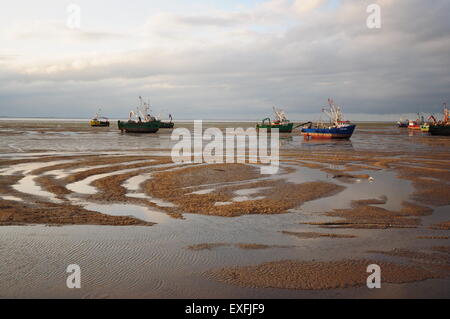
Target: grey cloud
column 402, row 68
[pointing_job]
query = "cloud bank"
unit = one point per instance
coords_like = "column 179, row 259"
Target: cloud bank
column 234, row 63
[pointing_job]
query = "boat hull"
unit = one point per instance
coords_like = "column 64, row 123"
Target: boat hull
column 285, row 128
column 329, row 133
column 99, row 123
column 166, row 125
column 439, row 130
column 139, row 127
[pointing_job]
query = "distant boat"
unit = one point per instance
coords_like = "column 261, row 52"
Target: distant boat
column 443, row 130
column 415, row 125
column 403, row 123
column 441, row 127
column 425, row 127
column 337, row 128
column 280, row 122
column 99, row 121
column 140, row 121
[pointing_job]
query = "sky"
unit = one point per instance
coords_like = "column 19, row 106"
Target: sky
column 228, row 59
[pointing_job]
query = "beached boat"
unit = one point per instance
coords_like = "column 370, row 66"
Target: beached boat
column 403, row 123
column 415, row 125
column 336, row 128
column 99, row 121
column 425, row 127
column 281, row 123
column 140, row 121
column 164, row 124
column 441, row 127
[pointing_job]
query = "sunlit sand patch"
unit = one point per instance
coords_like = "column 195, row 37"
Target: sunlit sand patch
column 52, row 185
column 442, row 225
column 47, row 213
column 363, row 214
column 316, row 275
column 278, row 198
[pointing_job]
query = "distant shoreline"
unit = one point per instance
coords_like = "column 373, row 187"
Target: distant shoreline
column 10, row 118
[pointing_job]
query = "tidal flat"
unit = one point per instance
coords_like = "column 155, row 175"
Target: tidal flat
column 140, row 225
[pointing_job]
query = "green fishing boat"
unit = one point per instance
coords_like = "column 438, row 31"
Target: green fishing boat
column 169, row 124
column 140, row 121
column 281, row 123
column 441, row 127
column 138, row 127
column 166, row 125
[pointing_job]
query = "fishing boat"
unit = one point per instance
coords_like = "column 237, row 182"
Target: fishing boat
column 281, row 123
column 99, row 121
column 403, row 123
column 441, row 127
column 415, row 125
column 164, row 124
column 425, row 127
column 140, row 121
column 336, row 128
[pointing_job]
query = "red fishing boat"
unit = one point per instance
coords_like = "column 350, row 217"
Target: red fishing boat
column 415, row 125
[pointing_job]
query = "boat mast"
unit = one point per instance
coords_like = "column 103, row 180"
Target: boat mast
column 280, row 116
column 334, row 112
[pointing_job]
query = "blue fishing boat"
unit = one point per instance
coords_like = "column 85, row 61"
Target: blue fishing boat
column 336, row 128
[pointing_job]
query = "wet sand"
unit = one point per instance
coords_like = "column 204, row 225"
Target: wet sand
column 12, row 213
column 310, row 235
column 209, row 246
column 332, row 208
column 278, row 196
column 291, row 274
